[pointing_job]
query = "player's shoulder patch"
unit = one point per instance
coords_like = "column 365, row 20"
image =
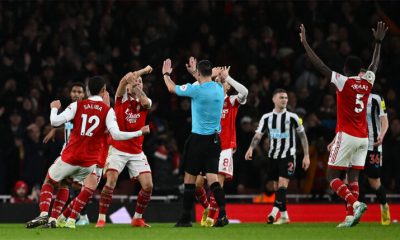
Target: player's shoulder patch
column 383, row 105
column 183, row 87
column 369, row 76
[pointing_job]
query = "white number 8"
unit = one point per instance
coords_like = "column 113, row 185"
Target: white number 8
column 92, row 119
column 359, row 103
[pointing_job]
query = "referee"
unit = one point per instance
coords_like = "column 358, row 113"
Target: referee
column 280, row 126
column 202, row 148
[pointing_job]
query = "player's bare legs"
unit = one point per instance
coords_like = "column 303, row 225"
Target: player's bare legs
column 106, row 196
column 144, row 196
column 376, row 185
column 280, row 188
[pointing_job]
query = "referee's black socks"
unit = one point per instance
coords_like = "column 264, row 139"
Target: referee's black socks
column 219, row 196
column 188, row 200
column 381, row 195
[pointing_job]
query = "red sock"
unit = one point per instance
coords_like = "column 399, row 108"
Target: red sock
column 59, row 202
column 46, row 195
column 142, row 201
column 67, row 211
column 105, row 199
column 342, row 191
column 201, row 196
column 354, row 189
column 213, row 207
column 80, row 202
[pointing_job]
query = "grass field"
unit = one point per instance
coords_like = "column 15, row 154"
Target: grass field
column 233, row 231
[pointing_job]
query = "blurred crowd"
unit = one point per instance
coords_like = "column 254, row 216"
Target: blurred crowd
column 47, row 45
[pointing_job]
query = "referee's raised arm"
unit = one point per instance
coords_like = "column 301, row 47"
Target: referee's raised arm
column 166, row 71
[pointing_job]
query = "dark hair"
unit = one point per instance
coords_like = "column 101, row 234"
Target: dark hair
column 352, row 65
column 77, row 84
column 95, row 84
column 205, row 68
column 279, row 90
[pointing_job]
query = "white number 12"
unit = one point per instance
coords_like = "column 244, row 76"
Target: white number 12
column 93, row 119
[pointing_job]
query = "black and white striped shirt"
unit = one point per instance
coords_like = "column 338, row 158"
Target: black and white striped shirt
column 375, row 109
column 68, row 126
column 281, row 129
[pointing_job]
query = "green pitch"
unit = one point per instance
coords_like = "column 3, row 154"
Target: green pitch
column 165, row 231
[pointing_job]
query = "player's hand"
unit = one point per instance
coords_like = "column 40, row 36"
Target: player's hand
column 167, row 66
column 302, row 34
column 55, row 104
column 249, row 154
column 306, row 162
column 145, row 130
column 379, row 141
column 215, row 71
column 49, row 136
column 224, row 73
column 380, row 31
column 191, row 66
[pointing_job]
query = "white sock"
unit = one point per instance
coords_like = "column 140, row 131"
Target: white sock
column 42, row 214
column 137, row 215
column 274, row 211
column 284, row 214
column 102, row 217
column 51, row 219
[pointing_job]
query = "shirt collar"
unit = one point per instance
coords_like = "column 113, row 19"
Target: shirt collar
column 96, row 98
column 279, row 112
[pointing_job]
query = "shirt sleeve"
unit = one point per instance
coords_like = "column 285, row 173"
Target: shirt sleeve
column 116, row 134
column 262, row 125
column 299, row 123
column 382, row 108
column 339, row 80
column 187, row 90
column 67, row 115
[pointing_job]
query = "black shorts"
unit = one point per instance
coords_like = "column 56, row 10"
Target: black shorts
column 201, row 154
column 372, row 166
column 282, row 167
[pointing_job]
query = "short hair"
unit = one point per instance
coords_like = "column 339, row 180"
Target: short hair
column 279, row 90
column 77, row 84
column 353, row 65
column 95, row 84
column 205, row 68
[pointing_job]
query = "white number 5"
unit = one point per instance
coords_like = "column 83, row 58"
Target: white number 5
column 93, row 119
column 359, row 103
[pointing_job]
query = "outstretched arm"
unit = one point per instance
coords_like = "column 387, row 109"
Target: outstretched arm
column 379, row 35
column 315, row 60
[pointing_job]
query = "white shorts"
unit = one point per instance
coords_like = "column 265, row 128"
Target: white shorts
column 61, row 170
column 225, row 166
column 348, row 151
column 136, row 163
column 98, row 172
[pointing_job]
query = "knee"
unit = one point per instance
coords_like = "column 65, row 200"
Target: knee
column 112, row 179
column 148, row 186
column 374, row 183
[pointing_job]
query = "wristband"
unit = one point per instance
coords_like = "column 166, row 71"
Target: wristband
column 378, row 41
column 166, row 73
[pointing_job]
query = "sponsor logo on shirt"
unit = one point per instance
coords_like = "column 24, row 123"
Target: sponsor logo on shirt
column 130, row 117
column 276, row 133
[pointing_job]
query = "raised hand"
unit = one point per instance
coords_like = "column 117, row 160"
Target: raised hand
column 380, row 31
column 148, row 69
column 191, row 66
column 302, row 34
column 216, row 71
column 167, row 66
column 224, row 73
column 55, row 104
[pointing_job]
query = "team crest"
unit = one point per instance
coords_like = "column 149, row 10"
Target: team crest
column 183, row 87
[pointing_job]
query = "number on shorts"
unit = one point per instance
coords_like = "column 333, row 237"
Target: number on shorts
column 225, row 162
column 374, row 158
column 95, row 120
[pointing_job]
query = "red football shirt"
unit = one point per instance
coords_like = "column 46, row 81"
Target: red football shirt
column 351, row 99
column 86, row 142
column 228, row 122
column 131, row 116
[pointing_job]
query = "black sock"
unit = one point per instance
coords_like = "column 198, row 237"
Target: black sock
column 280, row 199
column 381, row 195
column 188, row 200
column 219, row 196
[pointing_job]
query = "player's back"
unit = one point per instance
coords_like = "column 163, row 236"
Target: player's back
column 352, row 97
column 87, row 137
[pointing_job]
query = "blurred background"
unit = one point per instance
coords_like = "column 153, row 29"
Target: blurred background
column 47, row 45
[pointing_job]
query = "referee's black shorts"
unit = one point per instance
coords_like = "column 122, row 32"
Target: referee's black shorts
column 201, row 154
